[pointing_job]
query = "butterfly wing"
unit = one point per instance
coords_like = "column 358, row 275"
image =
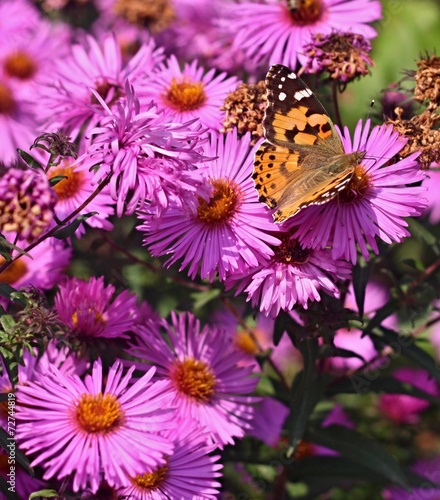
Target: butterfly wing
column 302, row 161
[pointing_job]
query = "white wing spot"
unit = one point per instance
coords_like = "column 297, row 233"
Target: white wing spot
column 280, row 86
column 282, row 96
column 283, row 78
column 292, row 76
column 302, row 93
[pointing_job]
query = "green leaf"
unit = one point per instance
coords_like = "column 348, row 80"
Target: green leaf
column 421, row 233
column 53, row 181
column 384, row 312
column 70, row 229
column 406, row 345
column 202, row 298
column 44, row 494
column 360, row 383
column 285, row 323
column 329, row 351
column 306, row 392
column 29, row 159
column 360, row 450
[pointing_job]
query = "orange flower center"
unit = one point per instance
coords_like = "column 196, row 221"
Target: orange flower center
column 7, row 102
column 305, row 12
column 98, row 414
column 357, row 187
column 222, row 204
column 20, row 65
column 151, row 480
column 67, row 188
column 246, row 343
column 195, row 379
column 185, row 95
column 14, row 272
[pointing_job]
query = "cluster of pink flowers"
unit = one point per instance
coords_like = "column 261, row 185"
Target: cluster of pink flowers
column 148, row 413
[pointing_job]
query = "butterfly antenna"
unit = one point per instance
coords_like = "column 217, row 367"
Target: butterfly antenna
column 371, row 107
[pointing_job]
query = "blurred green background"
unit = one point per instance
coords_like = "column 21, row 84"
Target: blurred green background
column 408, row 29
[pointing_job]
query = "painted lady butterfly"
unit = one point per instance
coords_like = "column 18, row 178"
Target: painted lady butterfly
column 302, row 162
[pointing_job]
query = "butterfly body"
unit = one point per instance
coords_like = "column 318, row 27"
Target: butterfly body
column 302, row 161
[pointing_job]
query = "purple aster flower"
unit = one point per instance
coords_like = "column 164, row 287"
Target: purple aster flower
column 78, row 428
column 18, row 19
column 189, row 93
column 293, row 275
column 149, row 158
column 227, row 232
column 375, row 202
column 189, row 473
column 276, row 31
column 18, row 123
column 268, row 422
column 27, row 60
column 42, row 268
column 26, row 203
column 77, row 186
column 66, row 100
column 91, row 310
column 405, row 409
column 209, row 385
column 428, row 468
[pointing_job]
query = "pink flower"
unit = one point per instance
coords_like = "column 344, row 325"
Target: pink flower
column 149, row 159
column 268, row 32
column 375, row 203
column 43, row 268
column 226, row 233
column 81, row 429
column 189, row 93
column 405, row 409
column 209, row 385
column 66, row 100
column 189, row 473
column 91, row 310
column 294, row 275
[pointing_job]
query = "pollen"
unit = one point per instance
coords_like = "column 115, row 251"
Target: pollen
column 357, row 187
column 13, row 272
column 20, row 65
column 67, row 189
column 185, row 95
column 98, row 414
column 291, row 252
column 151, row 481
column 308, row 12
column 98, row 320
column 7, row 102
column 195, row 379
column 222, row 205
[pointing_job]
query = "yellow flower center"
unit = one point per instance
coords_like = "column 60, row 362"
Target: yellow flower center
column 222, row 204
column 20, row 65
column 151, row 480
column 98, row 414
column 195, row 379
column 185, row 95
column 67, row 188
column 291, row 252
column 305, row 12
column 7, row 102
column 14, row 272
column 156, row 15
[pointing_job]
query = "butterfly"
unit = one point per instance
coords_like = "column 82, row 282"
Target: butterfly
column 302, row 160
